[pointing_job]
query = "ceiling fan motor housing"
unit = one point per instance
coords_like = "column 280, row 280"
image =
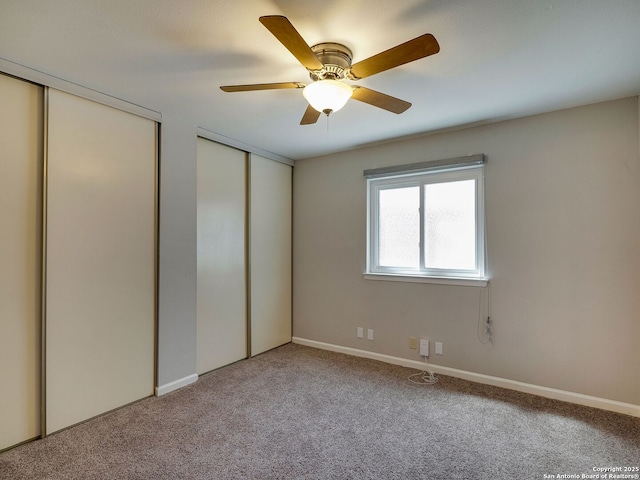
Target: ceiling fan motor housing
column 336, row 59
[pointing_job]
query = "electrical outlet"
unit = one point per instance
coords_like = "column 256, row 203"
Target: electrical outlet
column 369, row 334
column 413, row 343
column 360, row 332
column 424, row 347
column 438, row 348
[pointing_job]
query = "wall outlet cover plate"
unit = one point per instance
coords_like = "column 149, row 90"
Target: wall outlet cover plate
column 424, row 347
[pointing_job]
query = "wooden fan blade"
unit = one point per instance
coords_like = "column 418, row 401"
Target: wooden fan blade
column 415, row 49
column 311, row 116
column 283, row 30
column 261, row 86
column 380, row 100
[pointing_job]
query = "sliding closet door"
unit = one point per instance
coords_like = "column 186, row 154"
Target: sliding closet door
column 270, row 247
column 221, row 319
column 20, row 246
column 100, row 259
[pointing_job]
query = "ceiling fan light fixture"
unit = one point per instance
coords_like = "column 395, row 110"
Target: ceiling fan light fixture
column 327, row 96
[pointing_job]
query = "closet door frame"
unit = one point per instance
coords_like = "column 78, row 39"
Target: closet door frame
column 45, row 81
column 44, row 260
column 267, row 302
column 43, row 267
column 207, row 310
column 33, row 115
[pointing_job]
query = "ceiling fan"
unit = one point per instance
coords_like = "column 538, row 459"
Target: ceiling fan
column 329, row 64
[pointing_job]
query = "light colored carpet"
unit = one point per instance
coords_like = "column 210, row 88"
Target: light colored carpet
column 301, row 413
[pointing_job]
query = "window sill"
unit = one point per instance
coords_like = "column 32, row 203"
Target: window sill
column 465, row 282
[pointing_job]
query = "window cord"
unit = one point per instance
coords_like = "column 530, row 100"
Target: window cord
column 485, row 337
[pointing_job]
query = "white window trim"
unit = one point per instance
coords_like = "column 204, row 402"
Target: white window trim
column 420, row 178
column 461, row 281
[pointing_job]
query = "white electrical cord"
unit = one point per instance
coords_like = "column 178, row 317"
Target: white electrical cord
column 426, row 377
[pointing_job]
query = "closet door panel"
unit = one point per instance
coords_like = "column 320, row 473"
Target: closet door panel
column 221, row 318
column 20, row 246
column 100, row 259
column 270, row 248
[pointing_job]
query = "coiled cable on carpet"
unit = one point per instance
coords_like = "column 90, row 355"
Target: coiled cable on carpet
column 426, row 377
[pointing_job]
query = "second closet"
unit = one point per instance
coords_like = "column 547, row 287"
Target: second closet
column 244, row 255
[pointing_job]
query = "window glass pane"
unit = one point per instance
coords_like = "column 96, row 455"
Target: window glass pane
column 399, row 227
column 450, row 225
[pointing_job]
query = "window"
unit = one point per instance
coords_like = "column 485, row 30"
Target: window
column 427, row 221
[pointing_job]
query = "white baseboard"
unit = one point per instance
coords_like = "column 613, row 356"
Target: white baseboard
column 578, row 398
column 176, row 384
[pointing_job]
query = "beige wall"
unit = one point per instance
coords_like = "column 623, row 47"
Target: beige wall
column 562, row 202
column 177, row 266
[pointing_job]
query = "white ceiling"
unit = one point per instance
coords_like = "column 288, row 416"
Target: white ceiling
column 499, row 59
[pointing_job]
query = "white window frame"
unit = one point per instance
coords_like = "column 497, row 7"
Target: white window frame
column 374, row 271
